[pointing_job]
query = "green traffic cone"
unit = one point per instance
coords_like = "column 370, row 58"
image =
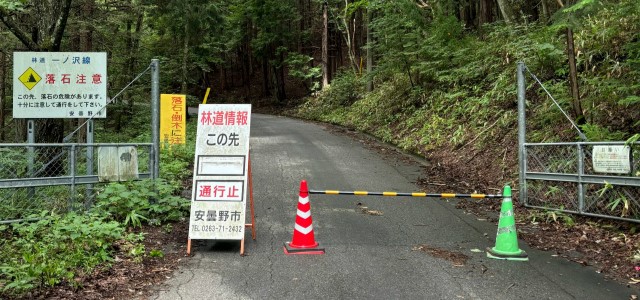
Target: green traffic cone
column 507, row 237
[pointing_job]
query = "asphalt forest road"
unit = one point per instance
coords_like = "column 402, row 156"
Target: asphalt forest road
column 367, row 256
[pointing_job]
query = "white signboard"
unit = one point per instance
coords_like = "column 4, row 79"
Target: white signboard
column 611, row 159
column 59, row 84
column 220, row 188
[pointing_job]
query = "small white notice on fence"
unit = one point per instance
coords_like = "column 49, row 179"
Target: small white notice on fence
column 611, row 159
column 219, row 192
column 59, row 84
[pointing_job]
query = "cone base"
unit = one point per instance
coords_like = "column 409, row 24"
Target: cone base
column 517, row 256
column 288, row 250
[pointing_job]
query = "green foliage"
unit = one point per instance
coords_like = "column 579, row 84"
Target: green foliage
column 14, row 162
column 549, row 216
column 345, row 90
column 135, row 202
column 298, row 65
column 598, row 133
column 175, row 162
column 12, row 5
column 55, row 249
column 156, row 253
column 437, row 85
column 618, row 201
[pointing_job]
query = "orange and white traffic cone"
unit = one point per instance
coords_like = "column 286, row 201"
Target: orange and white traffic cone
column 303, row 241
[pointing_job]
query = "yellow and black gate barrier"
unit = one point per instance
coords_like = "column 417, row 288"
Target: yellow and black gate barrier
column 399, row 194
column 303, row 241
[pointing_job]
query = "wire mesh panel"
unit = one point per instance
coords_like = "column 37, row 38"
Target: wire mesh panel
column 63, row 177
column 619, row 201
column 553, row 194
column 590, row 178
column 553, row 158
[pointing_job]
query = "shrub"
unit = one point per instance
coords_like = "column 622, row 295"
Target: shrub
column 54, row 249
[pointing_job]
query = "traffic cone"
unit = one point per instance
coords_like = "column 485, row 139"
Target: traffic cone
column 507, row 237
column 303, row 241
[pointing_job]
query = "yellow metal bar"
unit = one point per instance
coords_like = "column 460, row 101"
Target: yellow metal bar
column 360, row 193
column 448, row 195
column 418, row 194
column 329, row 192
column 478, row 195
column 389, row 194
column 206, row 96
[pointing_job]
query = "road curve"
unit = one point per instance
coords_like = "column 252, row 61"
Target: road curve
column 368, row 256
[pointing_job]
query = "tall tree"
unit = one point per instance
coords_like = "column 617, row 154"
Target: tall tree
column 45, row 27
column 369, row 51
column 325, row 45
column 40, row 26
column 274, row 22
column 570, row 8
column 86, row 45
column 3, row 75
column 507, row 11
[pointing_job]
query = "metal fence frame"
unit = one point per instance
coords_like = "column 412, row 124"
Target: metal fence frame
column 72, row 179
column 577, row 175
column 26, row 184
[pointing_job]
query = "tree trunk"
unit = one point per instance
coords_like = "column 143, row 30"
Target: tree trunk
column 545, row 11
column 346, row 22
column 185, row 56
column 573, row 79
column 2, row 92
column 325, row 46
column 86, row 45
column 484, row 14
column 507, row 11
column 265, row 77
column 43, row 36
column 466, row 12
column 280, row 84
column 369, row 52
column 223, row 78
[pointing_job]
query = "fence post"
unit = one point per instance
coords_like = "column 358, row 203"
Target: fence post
column 72, row 173
column 522, row 156
column 155, row 118
column 580, row 174
column 89, row 190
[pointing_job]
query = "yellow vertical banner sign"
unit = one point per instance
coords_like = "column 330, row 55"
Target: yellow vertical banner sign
column 173, row 126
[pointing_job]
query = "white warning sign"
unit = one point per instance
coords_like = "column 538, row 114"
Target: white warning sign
column 219, row 193
column 59, row 84
column 611, row 159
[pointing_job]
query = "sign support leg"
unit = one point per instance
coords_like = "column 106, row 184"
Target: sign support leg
column 188, row 247
column 253, row 216
column 251, row 225
column 31, row 139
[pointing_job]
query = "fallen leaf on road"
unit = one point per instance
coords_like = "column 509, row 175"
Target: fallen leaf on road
column 372, row 212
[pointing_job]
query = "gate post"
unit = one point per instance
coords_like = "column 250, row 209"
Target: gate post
column 155, row 118
column 89, row 190
column 522, row 156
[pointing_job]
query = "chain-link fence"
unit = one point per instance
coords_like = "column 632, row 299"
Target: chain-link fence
column 600, row 179
column 563, row 176
column 63, row 177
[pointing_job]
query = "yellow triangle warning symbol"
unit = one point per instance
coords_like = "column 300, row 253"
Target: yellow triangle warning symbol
column 29, row 78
